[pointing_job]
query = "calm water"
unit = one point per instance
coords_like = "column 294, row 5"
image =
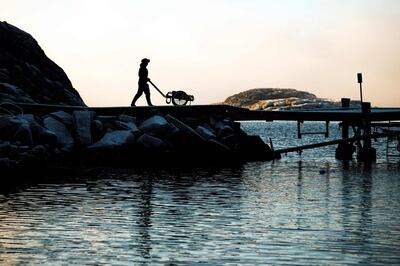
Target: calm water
column 308, row 209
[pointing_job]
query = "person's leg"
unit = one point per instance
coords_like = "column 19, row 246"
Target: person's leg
column 138, row 94
column 148, row 99
column 147, row 92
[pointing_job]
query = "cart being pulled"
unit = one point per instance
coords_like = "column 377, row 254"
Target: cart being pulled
column 175, row 97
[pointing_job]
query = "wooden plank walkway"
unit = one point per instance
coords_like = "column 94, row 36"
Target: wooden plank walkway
column 236, row 113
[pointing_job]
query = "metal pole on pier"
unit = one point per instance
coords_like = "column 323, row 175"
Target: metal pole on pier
column 359, row 79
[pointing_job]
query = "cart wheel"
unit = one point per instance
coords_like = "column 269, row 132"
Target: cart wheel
column 179, row 98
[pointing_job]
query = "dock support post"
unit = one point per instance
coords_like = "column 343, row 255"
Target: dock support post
column 366, row 154
column 299, row 129
column 345, row 150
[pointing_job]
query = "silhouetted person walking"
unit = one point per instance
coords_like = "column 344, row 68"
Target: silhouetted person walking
column 143, row 86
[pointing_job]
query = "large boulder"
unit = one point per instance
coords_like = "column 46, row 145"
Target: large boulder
column 7, row 163
column 156, row 126
column 8, row 127
column 27, row 75
column 128, row 126
column 205, row 132
column 127, row 118
column 254, row 148
column 64, row 137
column 24, row 134
column 114, row 139
column 223, row 129
column 15, row 129
column 97, row 130
column 152, row 143
column 63, row 117
column 216, row 146
column 187, row 130
column 40, row 134
column 108, row 122
column 82, row 122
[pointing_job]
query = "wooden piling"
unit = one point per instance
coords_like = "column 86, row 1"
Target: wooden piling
column 345, row 124
column 366, row 154
column 366, row 110
column 345, row 150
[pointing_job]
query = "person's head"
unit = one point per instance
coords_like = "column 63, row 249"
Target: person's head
column 145, row 61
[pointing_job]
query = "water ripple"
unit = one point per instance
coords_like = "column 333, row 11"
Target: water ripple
column 283, row 212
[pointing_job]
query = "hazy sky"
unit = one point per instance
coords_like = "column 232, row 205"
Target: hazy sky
column 215, row 48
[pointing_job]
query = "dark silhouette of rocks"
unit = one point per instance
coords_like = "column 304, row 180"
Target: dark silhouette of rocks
column 82, row 137
column 27, row 75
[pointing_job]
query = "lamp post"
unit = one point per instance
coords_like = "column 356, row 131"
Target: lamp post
column 359, row 79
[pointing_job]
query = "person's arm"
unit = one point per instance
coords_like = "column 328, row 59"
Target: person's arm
column 146, row 74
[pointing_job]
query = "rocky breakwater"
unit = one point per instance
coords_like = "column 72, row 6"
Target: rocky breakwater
column 84, row 138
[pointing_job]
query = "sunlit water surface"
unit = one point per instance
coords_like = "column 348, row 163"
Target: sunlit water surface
column 308, row 209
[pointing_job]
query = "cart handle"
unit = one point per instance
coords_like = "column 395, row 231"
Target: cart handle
column 157, row 89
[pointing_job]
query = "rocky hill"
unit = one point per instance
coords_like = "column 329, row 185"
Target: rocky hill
column 278, row 99
column 27, row 75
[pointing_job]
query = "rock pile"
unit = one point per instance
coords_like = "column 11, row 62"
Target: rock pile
column 84, row 136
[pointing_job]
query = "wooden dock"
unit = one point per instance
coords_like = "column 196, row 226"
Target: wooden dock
column 235, row 113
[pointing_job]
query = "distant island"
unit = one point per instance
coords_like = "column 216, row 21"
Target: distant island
column 272, row 99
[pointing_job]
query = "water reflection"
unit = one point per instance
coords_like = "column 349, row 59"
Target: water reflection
column 283, row 212
column 144, row 217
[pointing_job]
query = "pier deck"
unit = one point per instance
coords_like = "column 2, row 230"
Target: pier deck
column 235, row 113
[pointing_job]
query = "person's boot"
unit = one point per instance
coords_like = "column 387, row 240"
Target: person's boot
column 148, row 100
column 133, row 103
